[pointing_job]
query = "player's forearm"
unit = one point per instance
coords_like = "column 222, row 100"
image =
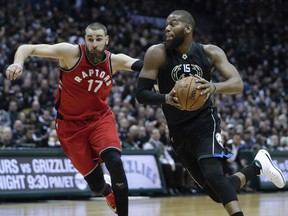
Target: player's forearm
column 230, row 86
column 144, row 95
column 22, row 53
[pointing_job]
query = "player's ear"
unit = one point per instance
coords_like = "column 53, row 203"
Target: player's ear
column 107, row 40
column 188, row 29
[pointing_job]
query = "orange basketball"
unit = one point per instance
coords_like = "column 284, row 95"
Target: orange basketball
column 188, row 95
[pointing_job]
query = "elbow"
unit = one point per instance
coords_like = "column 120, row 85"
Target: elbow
column 26, row 49
column 241, row 86
column 139, row 97
column 238, row 86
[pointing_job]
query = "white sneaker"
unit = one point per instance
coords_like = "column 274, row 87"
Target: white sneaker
column 269, row 169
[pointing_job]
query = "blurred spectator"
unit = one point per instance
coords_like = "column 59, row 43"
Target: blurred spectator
column 4, row 118
column 43, row 127
column 27, row 92
column 30, row 139
column 6, row 138
column 230, row 130
column 234, row 163
column 135, row 138
column 132, row 140
column 248, row 139
column 13, row 111
column 142, row 135
column 53, row 140
column 283, row 143
column 46, row 96
column 36, row 109
column 18, row 132
column 166, row 160
column 123, row 125
column 273, row 142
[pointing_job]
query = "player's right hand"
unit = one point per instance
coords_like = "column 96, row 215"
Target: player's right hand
column 14, row 71
column 172, row 99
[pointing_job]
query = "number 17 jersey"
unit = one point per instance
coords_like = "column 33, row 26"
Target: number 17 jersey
column 82, row 90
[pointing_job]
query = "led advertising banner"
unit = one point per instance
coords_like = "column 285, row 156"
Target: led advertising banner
column 142, row 172
column 33, row 174
column 27, row 174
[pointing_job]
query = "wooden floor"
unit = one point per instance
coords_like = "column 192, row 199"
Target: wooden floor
column 260, row 204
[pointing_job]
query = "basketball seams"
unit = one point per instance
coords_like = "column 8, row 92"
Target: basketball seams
column 196, row 100
column 177, row 91
column 187, row 93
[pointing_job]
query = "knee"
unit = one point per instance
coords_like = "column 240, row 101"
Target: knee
column 223, row 189
column 113, row 163
column 212, row 194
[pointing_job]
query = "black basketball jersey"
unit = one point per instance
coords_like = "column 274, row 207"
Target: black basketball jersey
column 177, row 66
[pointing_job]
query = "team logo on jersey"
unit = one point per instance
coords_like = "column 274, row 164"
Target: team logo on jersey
column 219, row 139
column 94, row 73
column 94, row 78
column 184, row 70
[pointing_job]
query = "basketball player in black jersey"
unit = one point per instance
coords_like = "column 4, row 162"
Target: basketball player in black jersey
column 196, row 135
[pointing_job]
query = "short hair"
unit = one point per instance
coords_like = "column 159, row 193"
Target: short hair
column 96, row 26
column 185, row 17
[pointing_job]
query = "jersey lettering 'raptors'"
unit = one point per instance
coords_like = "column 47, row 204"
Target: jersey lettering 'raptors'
column 83, row 90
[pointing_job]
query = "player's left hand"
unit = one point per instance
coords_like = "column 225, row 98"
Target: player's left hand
column 206, row 88
column 14, row 71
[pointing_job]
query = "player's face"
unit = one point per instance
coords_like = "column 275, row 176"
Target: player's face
column 174, row 30
column 96, row 41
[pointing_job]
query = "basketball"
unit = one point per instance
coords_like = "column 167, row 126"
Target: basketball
column 188, row 95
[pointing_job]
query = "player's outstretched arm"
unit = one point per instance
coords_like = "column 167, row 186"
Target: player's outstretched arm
column 62, row 51
column 126, row 63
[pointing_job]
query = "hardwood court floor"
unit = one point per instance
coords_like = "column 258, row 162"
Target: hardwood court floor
column 260, row 204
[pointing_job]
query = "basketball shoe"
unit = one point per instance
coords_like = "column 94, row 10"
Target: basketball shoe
column 267, row 168
column 110, row 197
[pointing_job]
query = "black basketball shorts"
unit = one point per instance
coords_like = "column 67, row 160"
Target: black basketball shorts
column 197, row 139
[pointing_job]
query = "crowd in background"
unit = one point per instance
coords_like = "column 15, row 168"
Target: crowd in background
column 252, row 33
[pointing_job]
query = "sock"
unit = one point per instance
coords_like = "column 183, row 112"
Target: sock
column 238, row 214
column 251, row 170
column 107, row 190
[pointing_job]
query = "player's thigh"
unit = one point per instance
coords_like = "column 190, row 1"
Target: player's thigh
column 73, row 139
column 104, row 135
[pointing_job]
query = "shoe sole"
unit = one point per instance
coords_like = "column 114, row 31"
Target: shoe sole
column 279, row 171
